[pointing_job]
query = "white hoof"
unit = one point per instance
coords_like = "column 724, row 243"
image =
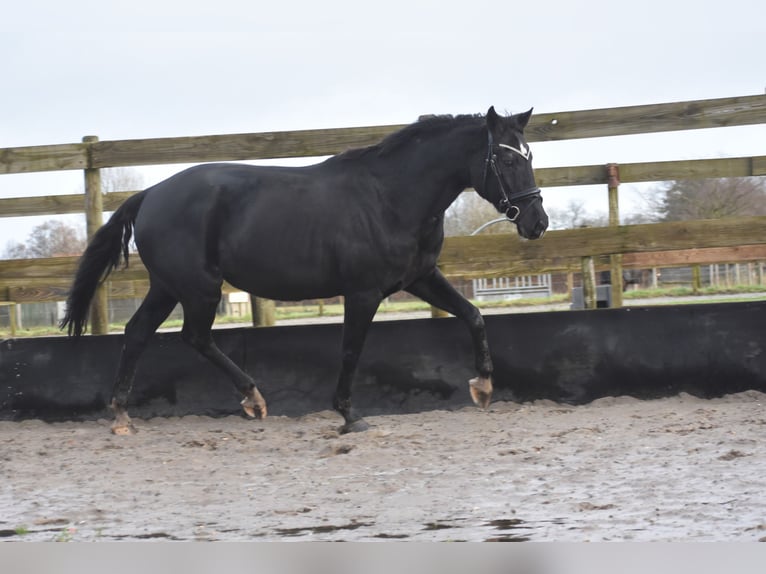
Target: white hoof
column 481, row 391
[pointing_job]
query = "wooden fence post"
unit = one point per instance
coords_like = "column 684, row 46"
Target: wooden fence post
column 94, row 218
column 437, row 313
column 590, row 300
column 615, row 261
column 13, row 317
column 264, row 312
column 696, row 279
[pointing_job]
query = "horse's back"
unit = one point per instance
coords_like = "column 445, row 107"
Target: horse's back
column 267, row 230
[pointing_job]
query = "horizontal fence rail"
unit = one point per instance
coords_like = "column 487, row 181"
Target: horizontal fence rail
column 57, row 204
column 629, row 120
column 500, row 255
column 562, row 251
column 546, row 177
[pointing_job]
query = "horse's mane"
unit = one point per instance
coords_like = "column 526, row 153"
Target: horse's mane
column 424, row 127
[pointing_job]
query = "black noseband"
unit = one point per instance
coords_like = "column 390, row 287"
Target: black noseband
column 506, row 204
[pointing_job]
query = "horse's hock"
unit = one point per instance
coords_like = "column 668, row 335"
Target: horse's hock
column 409, row 366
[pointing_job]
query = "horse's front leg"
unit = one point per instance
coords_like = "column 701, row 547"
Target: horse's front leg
column 359, row 309
column 437, row 291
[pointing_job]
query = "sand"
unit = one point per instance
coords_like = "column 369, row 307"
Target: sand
column 678, row 468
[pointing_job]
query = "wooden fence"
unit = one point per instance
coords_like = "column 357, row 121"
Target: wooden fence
column 581, row 250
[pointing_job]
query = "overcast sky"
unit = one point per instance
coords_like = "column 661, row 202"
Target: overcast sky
column 162, row 68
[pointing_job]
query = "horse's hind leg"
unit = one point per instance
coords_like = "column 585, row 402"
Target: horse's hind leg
column 199, row 314
column 154, row 309
column 436, row 290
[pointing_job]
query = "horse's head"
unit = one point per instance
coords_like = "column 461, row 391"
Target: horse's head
column 508, row 181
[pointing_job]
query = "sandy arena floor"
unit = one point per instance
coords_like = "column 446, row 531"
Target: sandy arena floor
column 679, row 468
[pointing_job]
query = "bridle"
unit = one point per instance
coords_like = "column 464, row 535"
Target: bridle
column 506, row 204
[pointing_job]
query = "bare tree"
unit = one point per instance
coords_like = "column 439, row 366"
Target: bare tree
column 469, row 212
column 640, row 217
column 712, row 198
column 56, row 238
column 53, row 238
column 121, row 179
column 575, row 215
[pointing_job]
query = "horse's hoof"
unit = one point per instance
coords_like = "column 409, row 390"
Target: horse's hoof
column 481, row 391
column 122, row 425
column 253, row 407
column 359, row 425
column 124, row 429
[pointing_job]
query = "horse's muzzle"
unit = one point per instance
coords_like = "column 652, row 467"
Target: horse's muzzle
column 536, row 232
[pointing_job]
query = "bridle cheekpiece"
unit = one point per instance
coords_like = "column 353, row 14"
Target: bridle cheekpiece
column 506, row 204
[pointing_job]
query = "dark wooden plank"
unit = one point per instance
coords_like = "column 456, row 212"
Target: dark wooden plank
column 689, row 169
column 115, row 199
column 546, row 177
column 572, row 175
column 37, row 293
column 43, row 158
column 57, row 204
column 269, row 145
column 506, row 254
column 653, row 171
column 744, row 110
column 60, row 268
column 42, row 205
column 686, row 257
column 628, row 120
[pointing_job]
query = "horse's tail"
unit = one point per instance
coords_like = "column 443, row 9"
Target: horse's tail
column 102, row 256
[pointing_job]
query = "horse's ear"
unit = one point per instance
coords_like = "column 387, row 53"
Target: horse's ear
column 523, row 119
column 492, row 118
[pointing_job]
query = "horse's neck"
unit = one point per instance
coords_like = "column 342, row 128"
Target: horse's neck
column 432, row 173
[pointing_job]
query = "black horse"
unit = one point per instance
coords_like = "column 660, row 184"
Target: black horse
column 362, row 224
